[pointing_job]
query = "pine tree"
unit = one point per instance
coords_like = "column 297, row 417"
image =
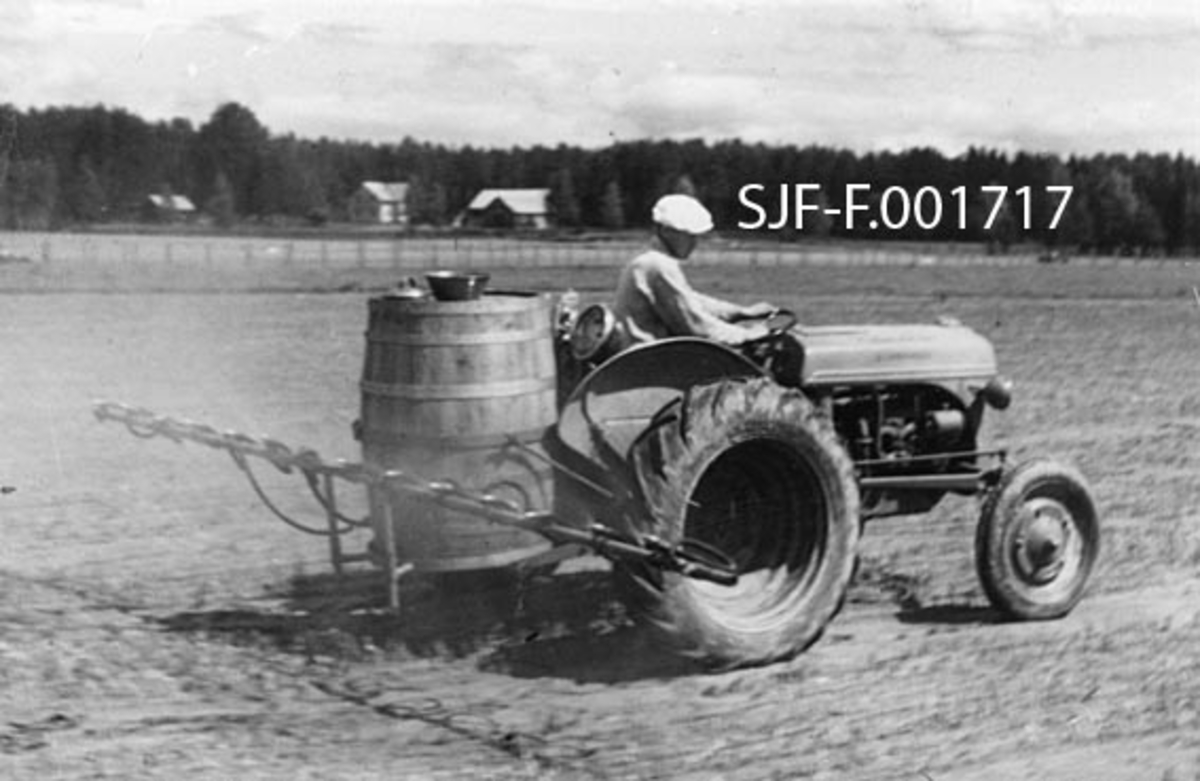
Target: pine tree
column 8, row 139
column 234, row 143
column 32, row 194
column 1190, row 219
column 564, row 204
column 612, row 209
column 220, row 205
column 684, row 185
column 86, row 199
column 1076, row 227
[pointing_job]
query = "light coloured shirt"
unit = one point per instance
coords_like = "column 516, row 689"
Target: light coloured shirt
column 654, row 301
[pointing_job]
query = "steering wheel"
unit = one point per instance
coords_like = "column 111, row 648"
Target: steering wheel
column 771, row 350
column 778, row 323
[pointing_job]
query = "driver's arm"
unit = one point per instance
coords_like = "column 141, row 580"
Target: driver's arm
column 731, row 312
column 689, row 313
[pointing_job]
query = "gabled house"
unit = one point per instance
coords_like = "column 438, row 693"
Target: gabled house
column 168, row 208
column 522, row 208
column 381, row 203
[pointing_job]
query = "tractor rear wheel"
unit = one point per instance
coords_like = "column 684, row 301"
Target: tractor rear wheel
column 753, row 469
column 1037, row 540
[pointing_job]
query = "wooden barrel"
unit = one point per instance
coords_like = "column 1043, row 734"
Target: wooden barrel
column 445, row 386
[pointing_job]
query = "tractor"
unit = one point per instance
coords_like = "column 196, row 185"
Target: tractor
column 778, row 453
column 728, row 486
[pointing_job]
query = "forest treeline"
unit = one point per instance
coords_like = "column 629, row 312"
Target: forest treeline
column 67, row 167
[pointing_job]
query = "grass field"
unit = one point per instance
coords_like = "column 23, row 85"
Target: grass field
column 156, row 622
column 62, row 262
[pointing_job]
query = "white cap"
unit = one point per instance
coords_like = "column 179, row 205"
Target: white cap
column 683, row 213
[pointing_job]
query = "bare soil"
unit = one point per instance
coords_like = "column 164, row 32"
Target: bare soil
column 156, row 622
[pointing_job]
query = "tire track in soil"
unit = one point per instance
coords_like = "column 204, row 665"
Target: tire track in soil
column 562, row 691
column 473, row 728
column 95, row 687
column 948, row 692
column 963, row 694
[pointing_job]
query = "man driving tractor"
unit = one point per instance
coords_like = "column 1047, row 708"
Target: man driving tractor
column 654, row 299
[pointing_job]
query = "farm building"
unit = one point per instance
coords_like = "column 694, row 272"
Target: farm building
column 385, row 203
column 508, row 209
column 169, row 208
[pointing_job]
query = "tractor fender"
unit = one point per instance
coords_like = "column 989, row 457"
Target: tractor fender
column 621, row 396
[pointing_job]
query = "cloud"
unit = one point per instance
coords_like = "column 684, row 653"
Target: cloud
column 238, row 26
column 1012, row 26
column 16, row 19
column 337, row 33
column 29, row 59
column 674, row 104
column 1030, row 26
column 138, row 4
column 865, row 74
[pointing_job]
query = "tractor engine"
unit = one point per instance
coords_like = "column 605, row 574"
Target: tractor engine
column 899, row 393
column 892, row 425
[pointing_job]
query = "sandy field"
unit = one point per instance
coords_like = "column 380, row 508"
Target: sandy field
column 157, row 622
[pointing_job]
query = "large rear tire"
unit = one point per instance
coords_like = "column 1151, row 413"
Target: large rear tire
column 1037, row 541
column 756, row 471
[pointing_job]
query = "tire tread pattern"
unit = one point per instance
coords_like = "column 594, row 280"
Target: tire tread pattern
column 668, row 462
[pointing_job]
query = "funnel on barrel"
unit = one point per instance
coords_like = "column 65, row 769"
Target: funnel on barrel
column 445, row 386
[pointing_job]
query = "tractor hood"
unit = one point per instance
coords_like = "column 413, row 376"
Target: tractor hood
column 858, row 354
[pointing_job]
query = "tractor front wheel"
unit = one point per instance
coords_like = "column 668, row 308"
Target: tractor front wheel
column 756, row 471
column 1037, row 541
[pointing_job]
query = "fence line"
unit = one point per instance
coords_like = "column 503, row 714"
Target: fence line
column 420, row 252
column 65, row 259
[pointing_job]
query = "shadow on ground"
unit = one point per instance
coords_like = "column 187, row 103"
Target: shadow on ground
column 562, row 625
column 541, row 625
column 876, row 584
column 951, row 615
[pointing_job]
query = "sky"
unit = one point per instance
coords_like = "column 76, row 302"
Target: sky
column 1059, row 76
